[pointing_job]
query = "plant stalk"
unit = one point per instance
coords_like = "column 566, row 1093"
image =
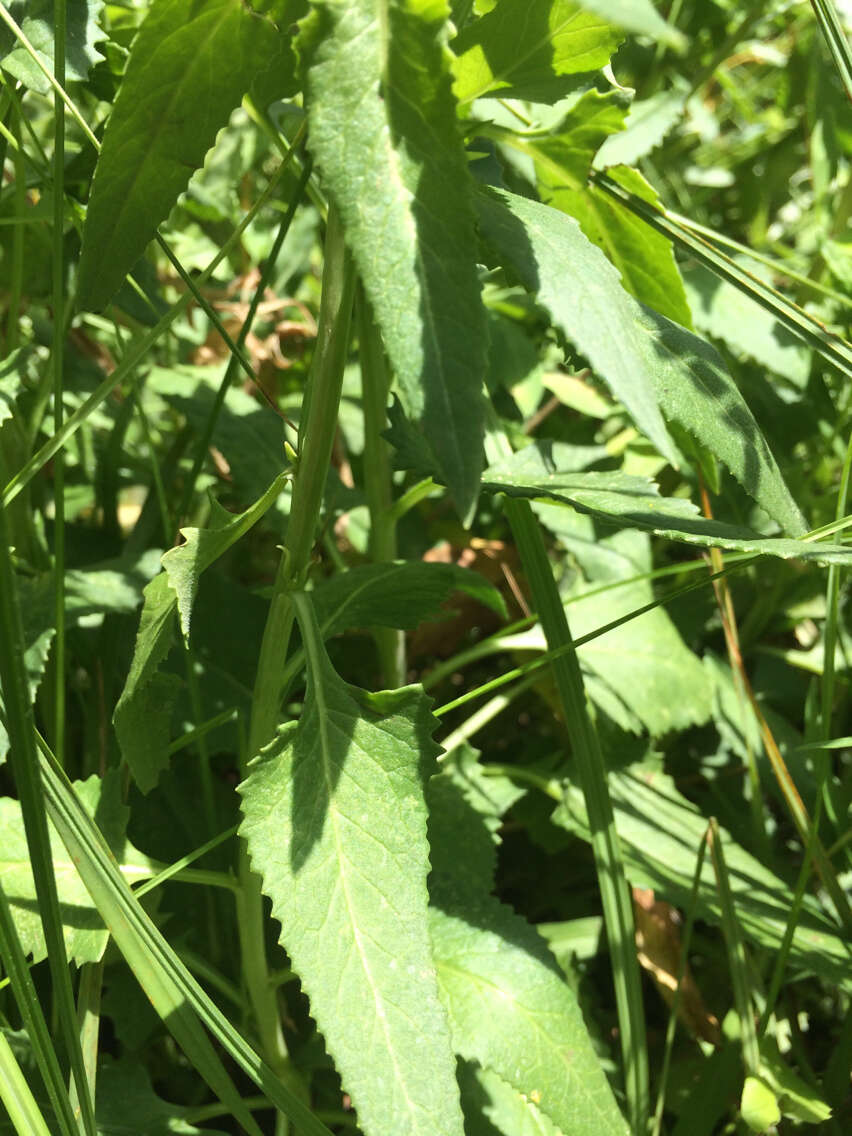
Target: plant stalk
column 378, row 486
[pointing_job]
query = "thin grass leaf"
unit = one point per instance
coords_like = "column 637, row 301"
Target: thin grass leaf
column 44, row 1050
column 835, row 37
column 24, row 762
column 17, row 1096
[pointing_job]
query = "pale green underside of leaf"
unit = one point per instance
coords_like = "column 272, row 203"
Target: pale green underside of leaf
column 512, row 1012
column 645, row 127
column 530, row 49
column 35, row 19
column 335, row 821
column 82, row 927
column 635, row 502
column 190, row 64
column 649, row 362
column 492, row 1105
column 563, row 162
column 509, row 1006
column 384, row 134
column 143, row 713
column 660, row 832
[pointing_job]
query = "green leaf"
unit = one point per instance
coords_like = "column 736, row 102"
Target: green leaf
column 796, row 1097
column 676, row 690
column 581, row 292
column 384, row 134
column 743, row 325
column 530, row 49
column 335, row 821
column 396, row 595
column 697, row 392
column 491, row 1105
column 759, row 1105
column 647, row 124
column 143, row 713
column 183, row 565
column 510, row 1009
column 190, row 64
column 19, row 370
column 83, row 930
column 124, row 1090
column 638, row 16
column 563, row 162
column 35, row 19
column 635, row 501
column 660, row 832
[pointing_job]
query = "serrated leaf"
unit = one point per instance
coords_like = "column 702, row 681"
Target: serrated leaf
column 143, row 713
column 384, row 134
column 582, row 293
column 647, row 124
column 796, row 1097
column 697, row 392
column 124, row 1090
column 530, row 49
column 510, row 1009
column 18, row 370
column 396, row 595
column 35, row 19
column 491, row 1105
column 190, row 64
column 727, row 313
column 638, row 16
column 635, row 502
column 335, row 821
column 202, row 547
column 660, row 831
column 563, row 161
column 83, row 929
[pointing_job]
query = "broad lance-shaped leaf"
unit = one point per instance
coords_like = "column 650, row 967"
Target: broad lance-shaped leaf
column 35, row 19
column 530, row 49
column 510, row 1008
column 629, row 501
column 650, row 363
column 143, row 713
column 335, row 820
column 581, row 291
column 384, row 134
column 190, row 64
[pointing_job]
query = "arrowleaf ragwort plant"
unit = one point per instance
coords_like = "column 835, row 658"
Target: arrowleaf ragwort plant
column 363, row 358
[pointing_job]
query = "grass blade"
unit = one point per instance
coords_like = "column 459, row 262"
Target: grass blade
column 24, row 761
column 838, row 44
column 832, row 348
column 15, row 1094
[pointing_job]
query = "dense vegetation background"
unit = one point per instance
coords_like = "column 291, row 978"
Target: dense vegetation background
column 349, row 347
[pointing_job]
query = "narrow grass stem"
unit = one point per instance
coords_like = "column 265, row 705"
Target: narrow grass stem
column 58, row 362
column 24, row 762
column 591, row 773
column 316, row 438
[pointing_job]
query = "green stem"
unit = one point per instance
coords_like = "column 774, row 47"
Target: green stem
column 591, row 773
column 316, row 437
column 378, row 485
column 23, row 759
column 59, row 28
column 317, row 428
